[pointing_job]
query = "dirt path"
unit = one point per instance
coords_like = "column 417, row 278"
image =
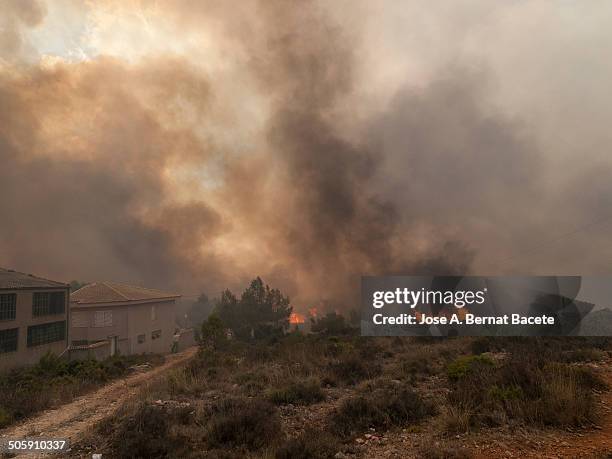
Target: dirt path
column 70, row 421
column 588, row 443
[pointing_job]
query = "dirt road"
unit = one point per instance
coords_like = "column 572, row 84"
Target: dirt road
column 70, row 421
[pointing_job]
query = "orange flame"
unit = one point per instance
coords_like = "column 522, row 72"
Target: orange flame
column 296, row 318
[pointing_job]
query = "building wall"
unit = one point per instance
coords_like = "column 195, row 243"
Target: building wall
column 98, row 352
column 145, row 319
column 129, row 322
column 85, row 326
column 23, row 319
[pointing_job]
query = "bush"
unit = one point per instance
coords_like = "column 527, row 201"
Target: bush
column 251, row 423
column 312, row 444
column 585, row 355
column 353, row 370
column 331, row 324
column 381, row 408
column 28, row 390
column 146, row 432
column 463, row 366
column 298, row 392
column 5, row 418
column 524, row 388
column 212, row 332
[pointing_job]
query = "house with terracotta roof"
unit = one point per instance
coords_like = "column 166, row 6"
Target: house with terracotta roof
column 33, row 318
column 129, row 319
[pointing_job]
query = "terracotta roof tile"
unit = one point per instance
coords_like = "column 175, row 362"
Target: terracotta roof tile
column 110, row 292
column 10, row 279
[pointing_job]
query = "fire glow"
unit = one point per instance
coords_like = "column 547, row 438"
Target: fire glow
column 296, row 318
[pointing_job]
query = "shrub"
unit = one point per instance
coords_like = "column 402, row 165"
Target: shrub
column 146, row 431
column 212, row 332
column 25, row 391
column 312, row 444
column 462, row 366
column 251, row 423
column 381, row 408
column 5, row 417
column 527, row 389
column 353, row 370
column 298, row 392
column 331, row 324
column 585, row 355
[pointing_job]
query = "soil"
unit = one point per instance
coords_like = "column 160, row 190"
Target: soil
column 71, row 421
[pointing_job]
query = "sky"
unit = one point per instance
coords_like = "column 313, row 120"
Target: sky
column 195, row 145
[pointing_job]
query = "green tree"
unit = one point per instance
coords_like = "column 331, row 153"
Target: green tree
column 213, row 332
column 260, row 311
column 332, row 324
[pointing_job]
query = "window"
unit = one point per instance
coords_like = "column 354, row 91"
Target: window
column 153, row 313
column 46, row 333
column 103, row 319
column 155, row 334
column 141, row 338
column 79, row 319
column 48, row 303
column 8, row 340
column 8, row 306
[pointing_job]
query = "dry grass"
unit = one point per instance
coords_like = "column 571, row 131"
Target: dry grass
column 343, row 386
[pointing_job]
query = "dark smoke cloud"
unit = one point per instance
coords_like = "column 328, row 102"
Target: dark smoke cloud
column 103, row 164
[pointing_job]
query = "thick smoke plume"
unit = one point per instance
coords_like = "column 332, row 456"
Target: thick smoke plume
column 168, row 171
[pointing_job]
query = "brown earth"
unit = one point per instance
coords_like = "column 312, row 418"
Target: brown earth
column 72, row 421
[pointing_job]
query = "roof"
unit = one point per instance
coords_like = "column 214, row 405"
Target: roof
column 10, row 279
column 111, row 292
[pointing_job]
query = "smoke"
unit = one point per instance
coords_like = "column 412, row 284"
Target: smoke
column 195, row 167
column 17, row 16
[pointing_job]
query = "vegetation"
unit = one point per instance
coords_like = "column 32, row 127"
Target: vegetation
column 523, row 387
column 312, row 444
column 242, row 422
column 315, row 395
column 260, row 311
column 213, row 334
column 384, row 407
column 53, row 381
column 302, row 392
column 331, row 393
column 75, row 285
column 332, row 324
column 200, row 310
